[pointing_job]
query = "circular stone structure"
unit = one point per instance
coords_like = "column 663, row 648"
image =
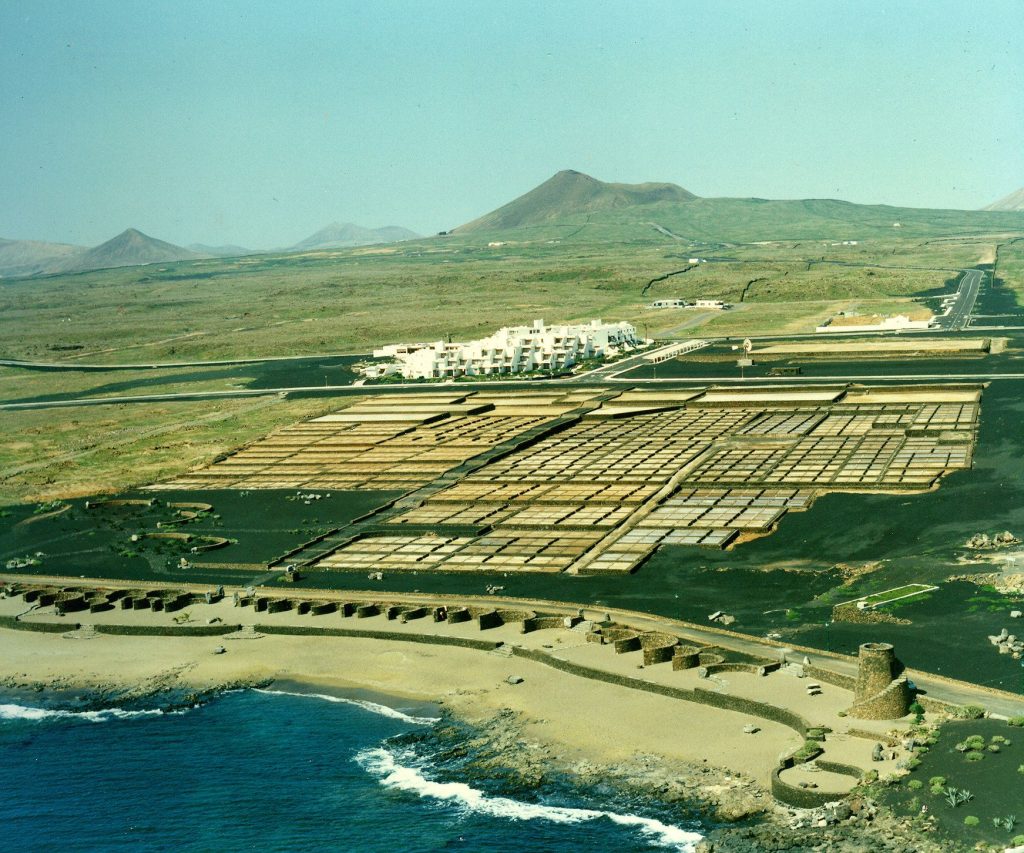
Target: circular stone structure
column 880, row 694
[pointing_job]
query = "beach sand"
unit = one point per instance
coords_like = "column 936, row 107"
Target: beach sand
column 575, row 718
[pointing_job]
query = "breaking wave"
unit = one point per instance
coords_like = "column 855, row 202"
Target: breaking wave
column 104, row 715
column 374, row 707
column 382, row 763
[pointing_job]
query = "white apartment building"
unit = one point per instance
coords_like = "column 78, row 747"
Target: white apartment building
column 513, row 349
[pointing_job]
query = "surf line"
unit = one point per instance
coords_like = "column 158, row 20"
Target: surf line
column 373, row 707
column 392, row 774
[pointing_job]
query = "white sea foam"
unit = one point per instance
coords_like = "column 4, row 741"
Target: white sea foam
column 380, row 762
column 104, row 715
column 366, row 705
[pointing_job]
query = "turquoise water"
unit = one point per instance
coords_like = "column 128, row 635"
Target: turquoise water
column 280, row 770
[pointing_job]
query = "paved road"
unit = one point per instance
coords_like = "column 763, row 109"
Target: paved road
column 161, row 365
column 960, row 314
column 349, row 390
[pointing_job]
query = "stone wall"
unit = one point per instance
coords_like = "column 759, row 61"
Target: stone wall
column 808, row 798
column 45, row 627
column 168, row 630
column 429, row 639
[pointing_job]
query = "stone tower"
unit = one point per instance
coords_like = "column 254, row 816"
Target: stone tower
column 880, row 693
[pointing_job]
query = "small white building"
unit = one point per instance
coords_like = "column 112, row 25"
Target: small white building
column 513, row 349
column 668, row 303
column 716, row 304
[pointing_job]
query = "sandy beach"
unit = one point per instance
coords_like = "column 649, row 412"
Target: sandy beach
column 525, row 716
column 578, row 718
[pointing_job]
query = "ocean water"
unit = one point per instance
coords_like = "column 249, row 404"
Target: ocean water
column 279, row 769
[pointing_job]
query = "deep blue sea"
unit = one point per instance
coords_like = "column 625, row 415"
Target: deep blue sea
column 277, row 769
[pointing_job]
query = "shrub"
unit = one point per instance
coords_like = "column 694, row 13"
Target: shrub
column 810, row 749
column 975, row 756
column 915, row 784
column 971, row 820
column 975, row 742
column 1017, row 840
column 937, row 781
column 938, row 790
column 969, row 712
column 1017, row 721
column 993, row 747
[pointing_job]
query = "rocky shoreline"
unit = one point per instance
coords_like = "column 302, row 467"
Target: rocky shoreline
column 736, row 814
column 165, row 691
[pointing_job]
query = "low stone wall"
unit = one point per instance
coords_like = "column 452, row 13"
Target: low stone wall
column 836, row 679
column 704, row 697
column 540, row 623
column 685, row 657
column 657, row 647
column 429, row 639
column 323, row 608
column 458, row 614
column 279, row 605
column 808, row 798
column 490, row 619
column 168, row 630
column 44, row 627
column 736, row 666
column 622, row 639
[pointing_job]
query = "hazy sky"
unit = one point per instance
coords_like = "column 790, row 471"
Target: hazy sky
column 257, row 123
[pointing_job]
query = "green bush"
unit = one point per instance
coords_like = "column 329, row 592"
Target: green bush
column 993, row 747
column 1017, row 721
column 971, row 820
column 810, row 749
column 975, row 756
column 915, row 784
column 969, row 712
column 938, row 790
column 937, row 781
column 1017, row 840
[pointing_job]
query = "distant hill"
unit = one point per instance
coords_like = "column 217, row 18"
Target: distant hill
column 346, row 235
column 129, row 248
column 570, row 193
column 1014, row 201
column 20, row 258
column 574, row 206
column 228, row 251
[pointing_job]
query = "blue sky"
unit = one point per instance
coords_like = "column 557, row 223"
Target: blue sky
column 258, row 123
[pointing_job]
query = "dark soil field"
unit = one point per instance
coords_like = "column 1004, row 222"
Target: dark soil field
column 995, row 781
column 97, row 542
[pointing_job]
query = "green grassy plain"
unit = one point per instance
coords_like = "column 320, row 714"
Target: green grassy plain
column 348, row 301
column 53, row 453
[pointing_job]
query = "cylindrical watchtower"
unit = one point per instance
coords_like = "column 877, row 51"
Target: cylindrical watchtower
column 880, row 694
column 875, row 670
